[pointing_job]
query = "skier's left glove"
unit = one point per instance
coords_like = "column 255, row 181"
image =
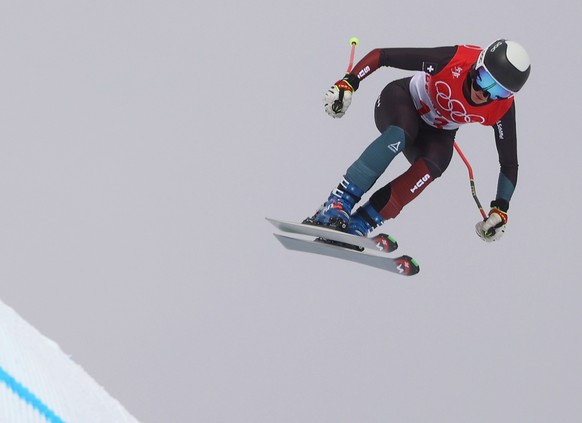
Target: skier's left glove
column 493, row 228
column 339, row 97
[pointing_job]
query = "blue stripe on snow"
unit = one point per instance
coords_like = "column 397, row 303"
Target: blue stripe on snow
column 24, row 394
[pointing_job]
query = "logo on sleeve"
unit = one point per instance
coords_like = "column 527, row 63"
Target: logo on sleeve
column 363, row 72
column 500, row 130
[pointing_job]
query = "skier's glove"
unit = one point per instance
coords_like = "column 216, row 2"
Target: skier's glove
column 339, row 97
column 493, row 228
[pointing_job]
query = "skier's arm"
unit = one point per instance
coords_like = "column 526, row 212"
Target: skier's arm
column 506, row 143
column 412, row 59
column 492, row 228
column 339, row 97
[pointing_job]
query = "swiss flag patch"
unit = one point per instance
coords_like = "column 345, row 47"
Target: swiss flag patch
column 430, row 68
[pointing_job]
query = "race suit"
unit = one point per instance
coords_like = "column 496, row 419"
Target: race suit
column 428, row 108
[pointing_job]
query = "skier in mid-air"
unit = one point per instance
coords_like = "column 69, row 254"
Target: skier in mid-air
column 419, row 116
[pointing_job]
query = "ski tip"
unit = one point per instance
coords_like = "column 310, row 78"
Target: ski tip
column 385, row 243
column 407, row 265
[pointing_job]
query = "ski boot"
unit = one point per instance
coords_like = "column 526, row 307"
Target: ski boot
column 335, row 212
column 364, row 221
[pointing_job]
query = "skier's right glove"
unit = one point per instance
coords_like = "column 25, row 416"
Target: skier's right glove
column 493, row 228
column 339, row 97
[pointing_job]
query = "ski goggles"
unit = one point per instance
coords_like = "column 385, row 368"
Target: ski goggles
column 484, row 81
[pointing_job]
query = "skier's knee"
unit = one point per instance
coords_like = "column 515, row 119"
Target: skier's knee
column 377, row 156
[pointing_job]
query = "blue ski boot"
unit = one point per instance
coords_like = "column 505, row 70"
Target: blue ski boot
column 364, row 220
column 335, row 212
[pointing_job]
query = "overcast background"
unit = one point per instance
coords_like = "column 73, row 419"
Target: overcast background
column 142, row 144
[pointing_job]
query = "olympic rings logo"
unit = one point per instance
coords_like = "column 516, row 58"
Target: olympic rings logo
column 455, row 109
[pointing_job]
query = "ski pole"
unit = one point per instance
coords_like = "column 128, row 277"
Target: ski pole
column 353, row 42
column 339, row 103
column 471, row 180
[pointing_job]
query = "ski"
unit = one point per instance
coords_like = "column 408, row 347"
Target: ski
column 382, row 242
column 403, row 265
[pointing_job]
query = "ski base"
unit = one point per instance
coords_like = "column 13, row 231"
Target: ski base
column 382, row 242
column 403, row 265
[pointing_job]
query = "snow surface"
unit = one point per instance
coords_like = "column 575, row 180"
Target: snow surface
column 39, row 383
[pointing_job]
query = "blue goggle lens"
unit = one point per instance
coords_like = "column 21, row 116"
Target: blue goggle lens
column 484, row 81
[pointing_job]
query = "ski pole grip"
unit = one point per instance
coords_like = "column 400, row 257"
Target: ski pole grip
column 338, row 104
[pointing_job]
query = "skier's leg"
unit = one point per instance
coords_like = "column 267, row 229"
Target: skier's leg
column 387, row 202
column 397, row 121
column 377, row 157
column 430, row 157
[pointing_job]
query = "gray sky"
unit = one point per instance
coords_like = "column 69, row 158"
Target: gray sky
column 142, row 145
